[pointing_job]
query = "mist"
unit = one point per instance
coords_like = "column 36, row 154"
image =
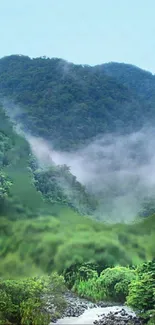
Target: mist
column 118, row 170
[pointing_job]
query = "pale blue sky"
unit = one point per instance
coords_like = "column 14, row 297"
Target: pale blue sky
column 80, row 31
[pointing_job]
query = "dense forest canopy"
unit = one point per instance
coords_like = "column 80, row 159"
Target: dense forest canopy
column 70, row 104
column 141, row 82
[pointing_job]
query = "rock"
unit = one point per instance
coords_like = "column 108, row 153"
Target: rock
column 76, row 307
column 115, row 319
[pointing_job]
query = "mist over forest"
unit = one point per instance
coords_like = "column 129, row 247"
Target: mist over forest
column 77, row 186
column 96, row 120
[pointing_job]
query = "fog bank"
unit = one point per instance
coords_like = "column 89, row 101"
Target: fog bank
column 118, row 170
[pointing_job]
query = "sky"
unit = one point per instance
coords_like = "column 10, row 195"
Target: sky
column 80, row 31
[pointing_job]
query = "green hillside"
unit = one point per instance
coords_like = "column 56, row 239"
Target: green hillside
column 47, row 217
column 141, row 82
column 35, row 190
column 40, row 223
column 67, row 103
column 40, row 232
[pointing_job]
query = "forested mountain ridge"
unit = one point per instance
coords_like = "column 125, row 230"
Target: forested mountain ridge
column 141, row 82
column 70, row 104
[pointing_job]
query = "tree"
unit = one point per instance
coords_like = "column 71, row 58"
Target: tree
column 5, row 185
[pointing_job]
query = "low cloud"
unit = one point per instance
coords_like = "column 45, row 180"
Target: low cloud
column 118, row 170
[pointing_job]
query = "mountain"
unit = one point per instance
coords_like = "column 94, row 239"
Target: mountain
column 36, row 190
column 43, row 225
column 71, row 104
column 140, row 82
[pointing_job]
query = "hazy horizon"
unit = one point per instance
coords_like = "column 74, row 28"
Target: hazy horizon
column 80, row 32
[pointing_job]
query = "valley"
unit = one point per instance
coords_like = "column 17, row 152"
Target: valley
column 77, row 189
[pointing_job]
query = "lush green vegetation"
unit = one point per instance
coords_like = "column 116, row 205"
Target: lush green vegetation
column 43, row 188
column 24, row 302
column 140, row 82
column 40, row 229
column 133, row 286
column 40, row 245
column 142, row 290
column 5, row 185
column 69, row 104
column 111, row 285
column 58, row 185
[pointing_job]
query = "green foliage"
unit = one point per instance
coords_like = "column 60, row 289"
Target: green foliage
column 70, row 275
column 81, row 278
column 114, row 283
column 141, row 82
column 141, row 294
column 90, row 247
column 78, row 272
column 135, row 286
column 23, row 201
column 142, row 290
column 43, row 244
column 148, row 267
column 85, row 100
column 30, row 313
column 82, row 99
column 21, row 302
column 56, row 292
column 24, row 302
column 111, row 285
column 5, row 185
column 89, row 289
column 39, row 228
column 55, row 185
column 58, row 185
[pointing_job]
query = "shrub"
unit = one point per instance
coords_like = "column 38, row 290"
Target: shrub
column 88, row 289
column 31, row 313
column 21, row 302
column 114, row 282
column 78, row 272
column 7, row 308
column 146, row 268
column 141, row 295
column 142, row 291
column 56, row 289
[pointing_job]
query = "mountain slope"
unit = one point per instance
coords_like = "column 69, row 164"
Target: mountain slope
column 66, row 103
column 37, row 190
column 24, row 200
column 140, row 82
